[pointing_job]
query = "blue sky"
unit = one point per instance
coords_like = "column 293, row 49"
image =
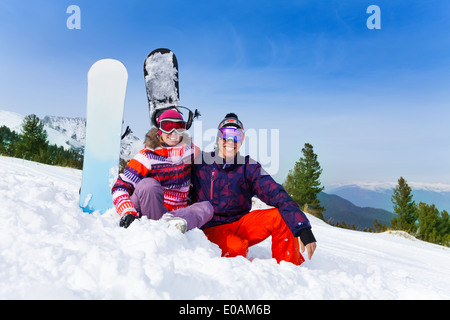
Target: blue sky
column 373, row 103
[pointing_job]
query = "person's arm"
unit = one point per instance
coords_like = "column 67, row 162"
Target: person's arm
column 273, row 194
column 134, row 172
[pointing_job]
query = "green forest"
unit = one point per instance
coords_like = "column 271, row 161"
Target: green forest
column 32, row 144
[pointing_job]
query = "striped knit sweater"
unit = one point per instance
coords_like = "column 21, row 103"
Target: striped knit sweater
column 171, row 166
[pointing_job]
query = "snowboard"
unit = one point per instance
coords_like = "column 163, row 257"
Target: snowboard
column 161, row 80
column 107, row 82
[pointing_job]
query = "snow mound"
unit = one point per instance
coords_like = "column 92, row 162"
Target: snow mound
column 50, row 249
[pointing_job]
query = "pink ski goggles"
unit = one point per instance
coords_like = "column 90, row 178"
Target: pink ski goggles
column 234, row 134
column 169, row 125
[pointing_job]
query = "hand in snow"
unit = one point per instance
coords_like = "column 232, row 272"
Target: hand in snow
column 310, row 248
column 126, row 220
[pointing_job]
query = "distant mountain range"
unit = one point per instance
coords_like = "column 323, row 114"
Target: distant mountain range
column 365, row 197
column 378, row 195
column 338, row 209
column 69, row 133
column 360, row 204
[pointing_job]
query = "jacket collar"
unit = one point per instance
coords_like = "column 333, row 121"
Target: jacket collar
column 224, row 164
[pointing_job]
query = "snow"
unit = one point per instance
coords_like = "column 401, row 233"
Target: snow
column 160, row 77
column 12, row 120
column 50, row 249
column 65, row 131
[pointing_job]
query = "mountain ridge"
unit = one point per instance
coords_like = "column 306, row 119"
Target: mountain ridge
column 69, row 132
column 338, row 210
column 378, row 195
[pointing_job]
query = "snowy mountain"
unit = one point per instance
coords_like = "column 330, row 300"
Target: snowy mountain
column 50, row 249
column 70, row 130
column 12, row 120
column 378, row 195
column 69, row 133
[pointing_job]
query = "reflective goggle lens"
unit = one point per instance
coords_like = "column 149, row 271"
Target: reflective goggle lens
column 168, row 126
column 231, row 133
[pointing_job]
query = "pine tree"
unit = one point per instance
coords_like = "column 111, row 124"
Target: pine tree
column 444, row 228
column 8, row 141
column 33, row 144
column 405, row 208
column 433, row 226
column 303, row 184
column 428, row 223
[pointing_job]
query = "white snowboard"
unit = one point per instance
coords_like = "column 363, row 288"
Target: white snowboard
column 107, row 82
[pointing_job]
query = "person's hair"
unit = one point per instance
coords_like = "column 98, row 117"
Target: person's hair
column 231, row 115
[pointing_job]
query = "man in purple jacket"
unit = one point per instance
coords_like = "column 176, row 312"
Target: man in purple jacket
column 229, row 181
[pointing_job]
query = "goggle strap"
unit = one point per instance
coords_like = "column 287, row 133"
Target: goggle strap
column 172, row 120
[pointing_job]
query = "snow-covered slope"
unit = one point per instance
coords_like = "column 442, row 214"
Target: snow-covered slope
column 50, row 249
column 12, row 120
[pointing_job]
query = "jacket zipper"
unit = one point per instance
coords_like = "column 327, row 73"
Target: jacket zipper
column 213, row 176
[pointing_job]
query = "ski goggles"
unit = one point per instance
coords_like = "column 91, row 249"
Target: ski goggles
column 234, row 134
column 170, row 125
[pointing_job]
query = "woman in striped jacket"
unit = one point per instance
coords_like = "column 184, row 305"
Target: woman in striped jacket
column 155, row 183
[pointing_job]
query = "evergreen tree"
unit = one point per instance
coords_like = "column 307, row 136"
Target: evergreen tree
column 8, row 141
column 66, row 158
column 428, row 223
column 378, row 226
column 444, row 228
column 405, row 208
column 33, row 144
column 433, row 226
column 303, row 184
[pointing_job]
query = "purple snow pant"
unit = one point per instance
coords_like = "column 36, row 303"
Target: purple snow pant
column 148, row 199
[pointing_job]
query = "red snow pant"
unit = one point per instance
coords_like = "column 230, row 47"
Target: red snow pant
column 235, row 238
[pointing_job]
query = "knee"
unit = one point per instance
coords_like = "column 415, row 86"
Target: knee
column 208, row 210
column 230, row 244
column 274, row 220
column 202, row 211
column 149, row 186
column 235, row 247
column 274, row 215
